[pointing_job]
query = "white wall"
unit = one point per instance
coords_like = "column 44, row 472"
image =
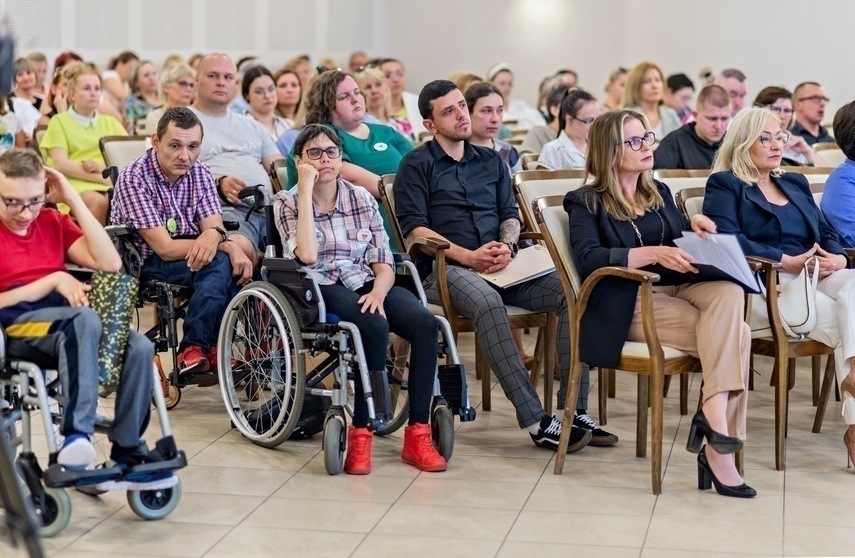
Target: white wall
column 778, row 43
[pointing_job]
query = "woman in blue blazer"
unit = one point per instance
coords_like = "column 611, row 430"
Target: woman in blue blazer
column 774, row 215
column 625, row 218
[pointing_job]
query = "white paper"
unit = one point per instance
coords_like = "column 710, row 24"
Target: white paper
column 530, row 263
column 721, row 251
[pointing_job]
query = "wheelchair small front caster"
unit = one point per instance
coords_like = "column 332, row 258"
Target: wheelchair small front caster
column 335, row 442
column 154, row 504
column 53, row 509
column 442, row 431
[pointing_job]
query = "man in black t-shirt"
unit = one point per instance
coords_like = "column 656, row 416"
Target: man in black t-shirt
column 693, row 146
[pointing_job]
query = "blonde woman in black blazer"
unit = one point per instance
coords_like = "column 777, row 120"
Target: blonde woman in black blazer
column 625, row 218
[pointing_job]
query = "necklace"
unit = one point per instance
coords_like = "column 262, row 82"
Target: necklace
column 638, row 232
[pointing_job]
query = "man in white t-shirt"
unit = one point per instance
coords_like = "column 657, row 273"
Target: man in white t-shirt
column 236, row 148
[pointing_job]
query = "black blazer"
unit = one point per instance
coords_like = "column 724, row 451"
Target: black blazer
column 598, row 240
column 744, row 211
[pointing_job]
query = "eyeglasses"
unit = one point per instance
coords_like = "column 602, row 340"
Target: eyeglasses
column 585, row 121
column 766, row 138
column 635, row 142
column 780, row 109
column 815, row 98
column 14, row 207
column 315, row 153
column 397, row 73
column 186, row 84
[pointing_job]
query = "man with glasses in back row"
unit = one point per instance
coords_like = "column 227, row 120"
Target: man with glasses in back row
column 809, row 103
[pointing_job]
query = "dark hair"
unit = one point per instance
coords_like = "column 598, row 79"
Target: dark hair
column 312, row 131
column 733, row 73
column 281, row 72
column 553, row 99
column 320, row 98
column 713, row 95
column 676, row 82
column 844, row 129
column 124, row 57
column 65, row 58
column 479, row 91
column 21, row 163
column 252, row 74
column 183, row 118
column 768, row 95
column 570, row 105
column 563, row 71
column 433, row 90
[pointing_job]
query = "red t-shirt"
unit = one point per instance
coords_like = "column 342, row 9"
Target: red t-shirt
column 40, row 252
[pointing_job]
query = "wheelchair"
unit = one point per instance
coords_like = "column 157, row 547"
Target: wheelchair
column 25, row 394
column 274, row 324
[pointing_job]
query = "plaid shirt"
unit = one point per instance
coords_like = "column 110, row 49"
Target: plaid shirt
column 350, row 236
column 144, row 198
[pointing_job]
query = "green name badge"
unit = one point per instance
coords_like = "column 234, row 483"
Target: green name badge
column 171, row 225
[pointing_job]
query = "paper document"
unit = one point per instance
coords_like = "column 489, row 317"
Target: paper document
column 530, row 263
column 720, row 257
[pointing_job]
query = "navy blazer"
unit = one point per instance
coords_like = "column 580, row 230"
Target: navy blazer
column 743, row 210
column 598, row 240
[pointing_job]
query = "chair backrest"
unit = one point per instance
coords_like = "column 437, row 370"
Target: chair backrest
column 814, row 175
column 529, row 160
column 678, row 184
column 554, row 224
column 529, row 185
column 829, row 154
column 38, row 135
column 121, row 151
column 140, row 125
column 516, row 141
column 387, row 198
column 662, row 174
column 690, row 201
column 279, row 174
column 425, row 136
column 816, row 188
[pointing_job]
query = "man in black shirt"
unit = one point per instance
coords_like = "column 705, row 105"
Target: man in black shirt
column 451, row 189
column 694, row 145
column 809, row 102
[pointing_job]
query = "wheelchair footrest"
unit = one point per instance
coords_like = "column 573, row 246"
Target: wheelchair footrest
column 57, row 476
column 144, row 472
column 452, row 385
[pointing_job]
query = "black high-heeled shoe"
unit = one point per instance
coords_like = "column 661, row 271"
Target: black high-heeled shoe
column 706, row 478
column 701, row 429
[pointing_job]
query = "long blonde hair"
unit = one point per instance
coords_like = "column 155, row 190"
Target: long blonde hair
column 635, row 81
column 744, row 130
column 605, row 148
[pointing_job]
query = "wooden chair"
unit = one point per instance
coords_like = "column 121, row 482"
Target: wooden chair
column 650, row 360
column 279, row 175
column 519, row 318
column 829, row 154
column 663, row 174
column 529, row 185
column 529, row 160
column 773, row 342
column 121, row 151
column 38, row 135
column 516, row 141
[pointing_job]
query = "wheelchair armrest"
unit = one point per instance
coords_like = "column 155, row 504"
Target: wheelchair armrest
column 282, row 264
column 126, row 229
column 400, row 258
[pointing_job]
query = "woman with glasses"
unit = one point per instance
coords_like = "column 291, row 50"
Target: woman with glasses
column 335, row 227
column 486, row 109
column 780, row 101
column 177, row 89
column 774, row 215
column 645, row 93
column 259, row 90
column 625, row 218
column 568, row 150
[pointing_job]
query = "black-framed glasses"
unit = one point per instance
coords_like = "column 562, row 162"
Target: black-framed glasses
column 315, row 153
column 766, row 138
column 634, row 143
column 585, row 121
column 815, row 99
column 781, row 110
column 14, row 207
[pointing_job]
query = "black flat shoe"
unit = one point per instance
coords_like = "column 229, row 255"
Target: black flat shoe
column 706, row 478
column 701, row 429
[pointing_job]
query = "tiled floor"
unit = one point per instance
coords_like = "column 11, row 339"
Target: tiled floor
column 498, row 498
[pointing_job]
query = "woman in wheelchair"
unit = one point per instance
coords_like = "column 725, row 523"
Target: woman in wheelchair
column 336, row 228
column 44, row 311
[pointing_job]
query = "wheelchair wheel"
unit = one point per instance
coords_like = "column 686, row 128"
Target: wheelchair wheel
column 261, row 370
column 335, row 442
column 154, row 504
column 54, row 512
column 442, row 431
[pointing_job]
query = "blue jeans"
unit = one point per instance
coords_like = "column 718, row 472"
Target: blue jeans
column 213, row 288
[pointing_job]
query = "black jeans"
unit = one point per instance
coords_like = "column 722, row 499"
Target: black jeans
column 406, row 317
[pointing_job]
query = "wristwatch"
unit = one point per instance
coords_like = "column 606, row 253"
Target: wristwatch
column 224, row 235
column 514, row 247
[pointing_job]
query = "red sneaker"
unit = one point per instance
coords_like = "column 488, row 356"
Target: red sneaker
column 192, row 360
column 358, row 461
column 419, row 450
column 211, row 355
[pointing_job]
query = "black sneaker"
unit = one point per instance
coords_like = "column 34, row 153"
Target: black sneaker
column 599, row 437
column 550, row 430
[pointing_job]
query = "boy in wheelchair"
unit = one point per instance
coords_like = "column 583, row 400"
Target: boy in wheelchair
column 45, row 313
column 336, row 228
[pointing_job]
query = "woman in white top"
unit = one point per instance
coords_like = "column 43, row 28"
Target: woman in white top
column 259, row 90
column 645, row 93
column 527, row 116
column 117, row 78
column 177, row 89
column 570, row 149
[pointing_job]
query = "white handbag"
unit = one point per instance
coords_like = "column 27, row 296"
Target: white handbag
column 797, row 302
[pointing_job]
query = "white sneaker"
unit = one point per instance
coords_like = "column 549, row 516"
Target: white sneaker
column 77, row 454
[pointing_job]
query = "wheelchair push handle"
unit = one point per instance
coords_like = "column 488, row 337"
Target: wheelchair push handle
column 260, row 198
column 112, row 173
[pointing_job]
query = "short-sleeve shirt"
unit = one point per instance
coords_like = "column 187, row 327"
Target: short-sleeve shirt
column 80, row 141
column 9, row 127
column 810, row 139
column 144, row 198
column 350, row 236
column 465, row 201
column 560, row 154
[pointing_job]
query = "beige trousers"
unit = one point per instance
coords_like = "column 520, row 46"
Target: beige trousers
column 706, row 320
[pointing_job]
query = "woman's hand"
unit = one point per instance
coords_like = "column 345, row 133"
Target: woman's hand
column 73, row 290
column 90, row 165
column 828, row 263
column 673, row 258
column 795, row 264
column 59, row 189
column 60, row 101
column 701, row 224
column 373, row 302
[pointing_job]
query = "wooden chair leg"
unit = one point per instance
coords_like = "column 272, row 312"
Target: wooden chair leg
column 815, row 365
column 684, row 394
column 751, row 372
column 666, row 387
column 603, row 391
column 641, row 426
column 779, row 375
column 739, row 461
column 611, row 375
column 791, row 379
column 828, row 381
column 569, row 405
column 486, row 384
column 537, row 366
column 657, row 405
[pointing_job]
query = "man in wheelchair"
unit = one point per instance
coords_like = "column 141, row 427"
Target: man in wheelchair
column 335, row 228
column 169, row 195
column 44, row 311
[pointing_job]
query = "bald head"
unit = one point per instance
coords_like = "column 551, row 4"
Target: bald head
column 217, row 83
